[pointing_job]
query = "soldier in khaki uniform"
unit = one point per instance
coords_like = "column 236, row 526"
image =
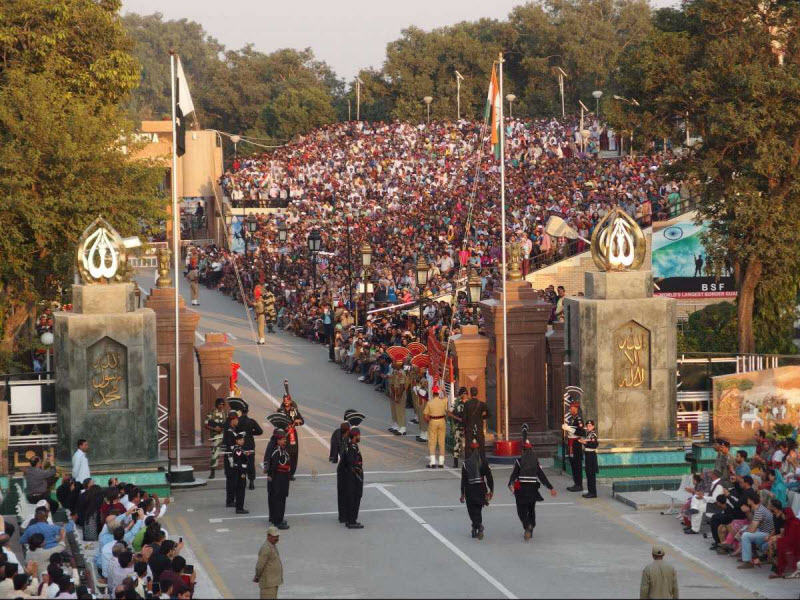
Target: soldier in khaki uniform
column 399, row 382
column 420, row 393
column 658, row 578
column 193, row 276
column 269, row 310
column 434, row 413
column 261, row 317
column 269, row 569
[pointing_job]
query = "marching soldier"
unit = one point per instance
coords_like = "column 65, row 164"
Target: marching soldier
column 261, row 316
column 399, row 382
column 420, row 395
column 590, row 448
column 475, row 413
column 278, row 471
column 250, row 428
column 215, row 424
column 434, row 413
column 289, row 408
column 477, row 486
column 524, row 483
column 239, row 467
column 228, row 446
column 353, row 479
column 338, row 447
column 269, row 310
column 573, row 427
column 457, row 416
column 194, row 276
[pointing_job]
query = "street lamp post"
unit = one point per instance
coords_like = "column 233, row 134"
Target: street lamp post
column 561, row 75
column 366, row 262
column 427, row 100
column 350, row 264
column 358, row 98
column 474, row 289
column 282, row 239
column 597, row 94
column 511, row 98
column 314, row 245
column 632, row 102
column 47, row 339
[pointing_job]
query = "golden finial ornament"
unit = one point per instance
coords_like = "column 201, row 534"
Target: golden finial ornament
column 618, row 243
column 164, row 280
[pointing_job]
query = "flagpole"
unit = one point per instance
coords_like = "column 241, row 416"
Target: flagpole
column 176, row 232
column 503, row 235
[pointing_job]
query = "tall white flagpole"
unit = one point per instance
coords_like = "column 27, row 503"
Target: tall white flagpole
column 176, row 233
column 503, row 234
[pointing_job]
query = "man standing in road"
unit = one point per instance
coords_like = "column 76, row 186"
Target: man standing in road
column 278, row 476
column 251, row 429
column 658, row 578
column 261, row 316
column 434, row 414
column 354, row 479
column 477, row 487
column 475, row 413
column 215, row 423
column 269, row 569
column 80, row 462
column 194, row 277
column 526, row 479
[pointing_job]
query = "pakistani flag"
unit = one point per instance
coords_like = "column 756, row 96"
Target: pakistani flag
column 183, row 108
column 492, row 112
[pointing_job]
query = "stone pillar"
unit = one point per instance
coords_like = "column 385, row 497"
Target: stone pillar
column 622, row 353
column 471, row 351
column 162, row 301
column 556, row 375
column 106, row 379
column 527, row 326
column 214, row 357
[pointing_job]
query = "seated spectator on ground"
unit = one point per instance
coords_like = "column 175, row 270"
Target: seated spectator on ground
column 41, row 556
column 703, row 501
column 742, row 468
column 757, row 533
column 161, row 559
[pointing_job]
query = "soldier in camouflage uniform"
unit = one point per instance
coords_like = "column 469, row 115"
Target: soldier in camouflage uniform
column 457, row 422
column 215, row 423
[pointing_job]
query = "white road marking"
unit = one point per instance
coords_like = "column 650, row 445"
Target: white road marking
column 455, row 472
column 447, row 543
column 223, row 530
column 390, row 509
column 189, row 510
column 230, row 335
column 277, row 403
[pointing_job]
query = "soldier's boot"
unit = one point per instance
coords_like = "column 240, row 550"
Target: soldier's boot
column 528, row 533
column 261, row 341
column 211, row 473
column 270, row 329
column 480, row 532
column 474, row 532
column 252, row 485
column 455, row 462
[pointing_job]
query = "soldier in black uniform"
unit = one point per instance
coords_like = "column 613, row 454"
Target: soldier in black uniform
column 228, row 446
column 239, row 467
column 525, row 481
column 353, row 479
column 477, row 485
column 475, row 413
column 289, row 408
column 573, row 427
column 250, row 428
column 590, row 447
column 278, row 480
column 338, row 448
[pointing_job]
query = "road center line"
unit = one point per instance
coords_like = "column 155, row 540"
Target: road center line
column 276, row 403
column 447, row 543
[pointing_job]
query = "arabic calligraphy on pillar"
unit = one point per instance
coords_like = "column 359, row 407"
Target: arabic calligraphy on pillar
column 632, row 357
column 618, row 243
column 106, row 379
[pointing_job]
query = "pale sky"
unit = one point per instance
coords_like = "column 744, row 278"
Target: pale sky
column 347, row 34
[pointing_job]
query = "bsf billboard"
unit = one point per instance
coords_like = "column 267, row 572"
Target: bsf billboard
column 681, row 268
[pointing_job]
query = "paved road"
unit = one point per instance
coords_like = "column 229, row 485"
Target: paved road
column 416, row 541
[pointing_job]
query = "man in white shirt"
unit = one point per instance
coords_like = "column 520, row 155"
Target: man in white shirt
column 701, row 501
column 80, row 462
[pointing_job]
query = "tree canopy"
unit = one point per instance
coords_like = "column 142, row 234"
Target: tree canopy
column 62, row 135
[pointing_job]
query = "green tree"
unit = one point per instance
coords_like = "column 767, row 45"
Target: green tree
column 62, row 160
column 734, row 71
column 712, row 329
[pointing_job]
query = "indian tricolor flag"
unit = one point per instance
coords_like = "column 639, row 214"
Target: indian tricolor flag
column 492, row 112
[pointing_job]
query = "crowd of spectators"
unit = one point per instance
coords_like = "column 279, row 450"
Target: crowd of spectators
column 414, row 191
column 119, row 527
column 745, row 504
